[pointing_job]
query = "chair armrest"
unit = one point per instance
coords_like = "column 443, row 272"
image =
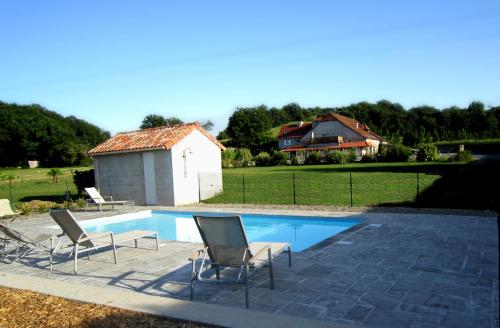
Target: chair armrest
column 98, row 235
column 92, row 200
column 196, row 254
column 109, row 198
column 262, row 250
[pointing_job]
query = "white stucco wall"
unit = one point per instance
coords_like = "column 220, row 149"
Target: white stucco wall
column 202, row 158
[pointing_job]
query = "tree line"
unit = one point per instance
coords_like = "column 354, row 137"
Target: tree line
column 250, row 127
column 31, row 132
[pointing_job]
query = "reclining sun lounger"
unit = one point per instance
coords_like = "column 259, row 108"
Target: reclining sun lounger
column 6, row 210
column 18, row 240
column 226, row 245
column 97, row 200
column 92, row 241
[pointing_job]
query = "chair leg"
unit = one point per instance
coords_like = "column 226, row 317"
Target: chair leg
column 76, row 259
column 193, row 278
column 247, row 270
column 157, row 244
column 270, row 264
column 289, row 255
column 217, row 272
column 3, row 250
column 114, row 249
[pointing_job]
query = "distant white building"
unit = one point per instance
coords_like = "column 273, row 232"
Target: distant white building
column 329, row 132
column 172, row 165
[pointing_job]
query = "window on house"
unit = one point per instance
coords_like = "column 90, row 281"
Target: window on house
column 288, row 142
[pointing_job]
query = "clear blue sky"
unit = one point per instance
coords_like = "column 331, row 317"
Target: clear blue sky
column 113, row 62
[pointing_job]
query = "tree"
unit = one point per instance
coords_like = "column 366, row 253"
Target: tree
column 208, row 125
column 153, row 121
column 54, row 173
column 31, row 132
column 249, row 127
column 156, row 120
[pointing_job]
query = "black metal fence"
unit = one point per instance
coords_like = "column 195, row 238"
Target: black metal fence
column 322, row 188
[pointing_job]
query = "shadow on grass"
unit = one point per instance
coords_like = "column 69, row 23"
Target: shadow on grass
column 469, row 186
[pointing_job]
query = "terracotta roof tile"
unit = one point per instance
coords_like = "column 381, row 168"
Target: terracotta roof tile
column 361, row 129
column 164, row 137
column 294, row 130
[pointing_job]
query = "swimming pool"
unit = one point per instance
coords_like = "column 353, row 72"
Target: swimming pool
column 301, row 231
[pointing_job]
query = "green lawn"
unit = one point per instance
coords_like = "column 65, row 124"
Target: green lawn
column 372, row 183
column 32, row 184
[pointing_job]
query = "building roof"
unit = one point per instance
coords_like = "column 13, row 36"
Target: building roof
column 164, row 137
column 294, row 130
column 344, row 145
column 359, row 128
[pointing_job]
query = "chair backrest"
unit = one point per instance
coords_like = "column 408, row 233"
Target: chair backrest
column 13, row 234
column 95, row 195
column 70, row 226
column 225, row 238
column 5, row 208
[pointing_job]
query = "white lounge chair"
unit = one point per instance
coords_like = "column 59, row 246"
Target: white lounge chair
column 18, row 239
column 226, row 245
column 6, row 211
column 97, row 200
column 92, row 241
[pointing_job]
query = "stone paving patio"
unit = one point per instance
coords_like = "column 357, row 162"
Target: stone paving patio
column 396, row 270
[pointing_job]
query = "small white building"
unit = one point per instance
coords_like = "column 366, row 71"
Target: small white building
column 172, row 165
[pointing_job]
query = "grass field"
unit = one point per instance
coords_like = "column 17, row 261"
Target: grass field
column 32, row 184
column 372, row 183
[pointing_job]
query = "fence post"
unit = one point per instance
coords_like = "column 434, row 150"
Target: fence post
column 244, row 188
column 293, row 180
column 350, row 184
column 418, row 188
column 10, row 192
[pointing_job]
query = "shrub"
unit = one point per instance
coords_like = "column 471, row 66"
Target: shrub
column 226, row 163
column 395, row 153
column 336, row 157
column 278, row 157
column 314, row 158
column 427, row 153
column 351, row 156
column 244, row 155
column 83, row 179
column 228, row 155
column 368, row 159
column 263, row 159
column 463, row 156
column 35, row 206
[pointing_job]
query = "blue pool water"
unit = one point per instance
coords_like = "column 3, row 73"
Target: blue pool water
column 301, row 231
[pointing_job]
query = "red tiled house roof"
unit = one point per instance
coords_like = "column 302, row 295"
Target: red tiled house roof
column 294, row 130
column 164, row 137
column 359, row 128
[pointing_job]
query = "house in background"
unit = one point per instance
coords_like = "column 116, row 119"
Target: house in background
column 328, row 132
column 171, row 165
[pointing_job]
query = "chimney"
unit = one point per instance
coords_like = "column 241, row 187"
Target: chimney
column 357, row 125
column 301, row 123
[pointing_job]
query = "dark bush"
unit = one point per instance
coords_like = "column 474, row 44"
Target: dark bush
column 463, row 156
column 427, row 153
column 368, row 158
column 336, row 157
column 314, row 158
column 83, row 179
column 395, row 153
column 263, row 159
column 278, row 157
